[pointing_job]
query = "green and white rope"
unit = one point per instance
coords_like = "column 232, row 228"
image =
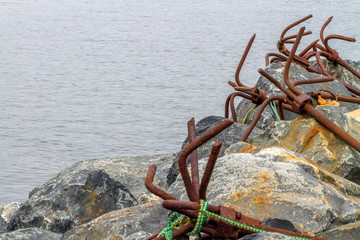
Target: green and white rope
column 176, row 221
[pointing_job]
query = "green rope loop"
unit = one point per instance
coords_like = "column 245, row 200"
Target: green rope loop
column 175, row 221
column 281, row 47
column 202, row 218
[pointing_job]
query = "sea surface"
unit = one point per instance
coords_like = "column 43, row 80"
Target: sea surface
column 92, row 79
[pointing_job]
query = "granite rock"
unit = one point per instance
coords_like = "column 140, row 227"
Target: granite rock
column 349, row 231
column 30, row 234
column 261, row 186
column 137, row 222
column 70, row 200
column 130, row 171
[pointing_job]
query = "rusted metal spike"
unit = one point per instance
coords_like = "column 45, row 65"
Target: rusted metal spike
column 152, row 188
column 193, row 156
column 190, row 190
column 293, row 25
column 288, row 63
column 209, row 169
column 258, row 114
column 247, row 49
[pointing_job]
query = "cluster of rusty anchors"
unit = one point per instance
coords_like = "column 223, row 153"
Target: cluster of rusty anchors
column 324, row 51
column 299, row 101
column 293, row 99
column 196, row 192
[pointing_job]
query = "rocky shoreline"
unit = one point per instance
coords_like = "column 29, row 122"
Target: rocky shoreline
column 294, row 171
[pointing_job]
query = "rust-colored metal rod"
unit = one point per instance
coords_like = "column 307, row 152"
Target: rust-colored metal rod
column 258, row 115
column 348, row 67
column 152, row 188
column 247, row 90
column 277, row 83
column 230, row 103
column 322, row 32
column 313, row 80
column 310, row 46
column 193, row 156
column 190, row 190
column 288, row 63
column 334, row 36
column 340, row 61
column 279, row 105
column 294, row 24
column 332, row 127
column 278, row 57
column 339, row 97
column 209, row 169
column 242, row 60
column 294, row 36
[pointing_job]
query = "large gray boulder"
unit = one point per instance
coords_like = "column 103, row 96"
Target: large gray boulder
column 349, row 231
column 30, row 234
column 260, row 186
column 70, row 200
column 130, row 171
column 308, row 137
column 138, row 222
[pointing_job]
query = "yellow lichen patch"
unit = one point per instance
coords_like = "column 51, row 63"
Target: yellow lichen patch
column 261, row 199
column 248, row 149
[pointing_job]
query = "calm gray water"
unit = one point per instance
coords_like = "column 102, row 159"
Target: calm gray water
column 92, row 79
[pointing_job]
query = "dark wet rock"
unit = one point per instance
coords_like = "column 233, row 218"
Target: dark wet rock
column 7, row 211
column 266, row 236
column 306, row 136
column 30, row 234
column 130, row 171
column 229, row 136
column 260, row 186
column 279, row 223
column 349, row 231
column 137, row 222
column 70, row 200
column 296, row 73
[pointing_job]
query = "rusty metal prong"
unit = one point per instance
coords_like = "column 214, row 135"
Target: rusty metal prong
column 194, row 161
column 230, row 103
column 277, row 83
column 334, row 36
column 242, row 60
column 322, row 30
column 232, row 84
column 290, row 59
column 285, row 39
column 310, row 46
column 313, row 80
column 320, row 63
column 209, row 169
column 190, row 190
column 279, row 105
column 293, row 25
column 152, row 188
column 277, row 57
column 258, row 114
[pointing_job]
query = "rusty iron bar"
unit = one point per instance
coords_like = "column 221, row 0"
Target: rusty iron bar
column 258, row 114
column 230, row 103
column 152, row 188
column 336, row 97
column 190, row 190
column 194, row 161
column 242, row 60
column 209, row 169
